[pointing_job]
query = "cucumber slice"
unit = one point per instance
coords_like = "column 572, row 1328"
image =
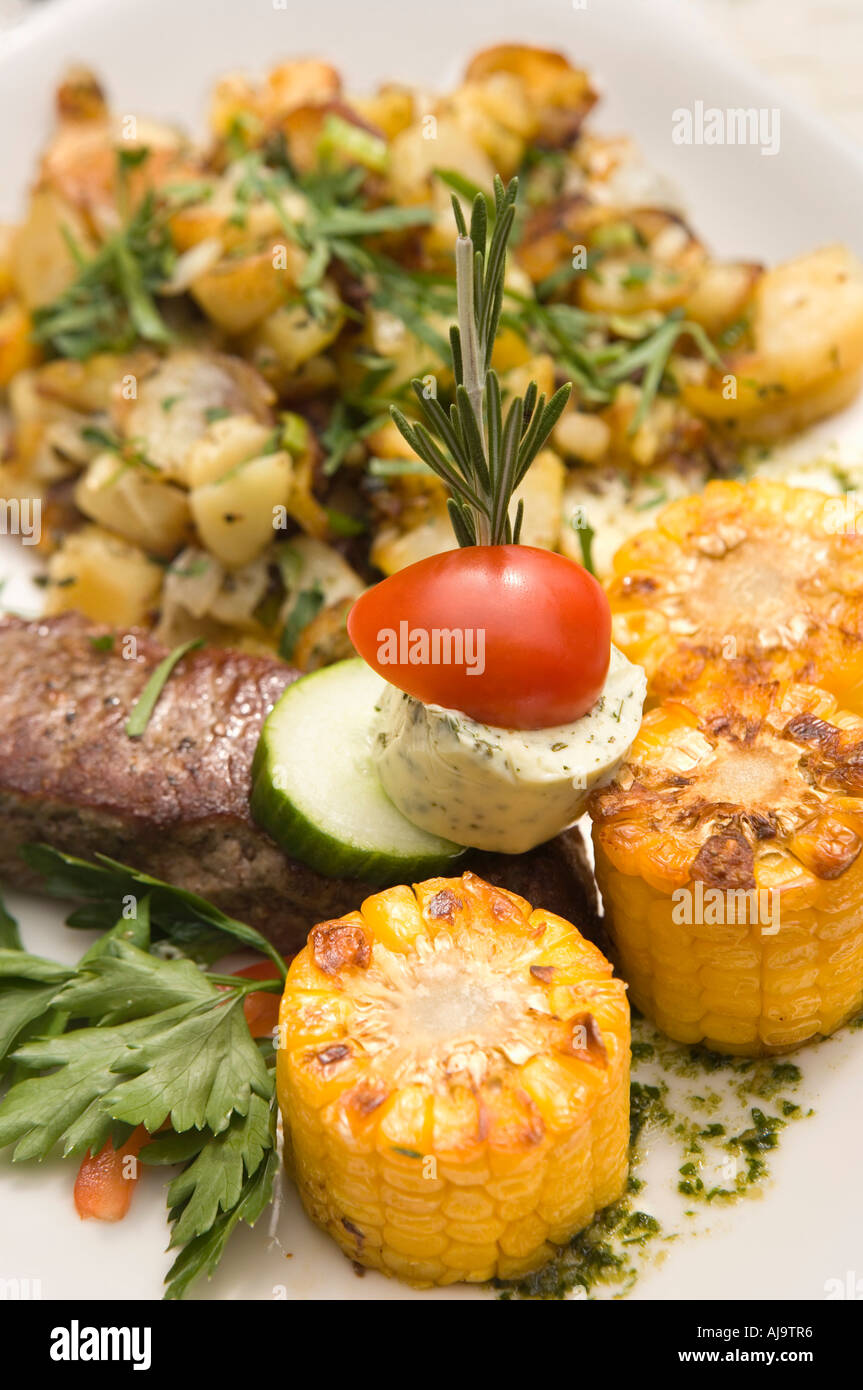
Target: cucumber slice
column 316, row 790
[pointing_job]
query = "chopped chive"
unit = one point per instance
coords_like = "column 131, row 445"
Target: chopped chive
column 395, row 468
column 343, row 137
column 343, row 524
column 585, row 540
column 307, row 607
column 147, row 700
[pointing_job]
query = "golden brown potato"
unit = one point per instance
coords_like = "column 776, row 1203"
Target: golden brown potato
column 720, row 294
column 80, row 96
column 560, row 94
column 234, row 514
column 391, row 110
column 240, row 291
column 43, row 265
column 291, row 336
column 325, row 639
column 177, row 402
column 103, row 577
column 803, row 353
column 135, row 504
column 300, row 82
column 17, row 349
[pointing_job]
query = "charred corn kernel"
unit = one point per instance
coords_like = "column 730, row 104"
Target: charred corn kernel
column 752, row 579
column 728, row 856
column 453, row 1073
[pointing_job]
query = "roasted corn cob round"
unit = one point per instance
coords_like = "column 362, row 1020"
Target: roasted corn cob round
column 728, row 856
column 453, row 1072
column 742, row 581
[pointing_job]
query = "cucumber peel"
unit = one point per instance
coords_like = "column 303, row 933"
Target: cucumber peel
column 316, row 790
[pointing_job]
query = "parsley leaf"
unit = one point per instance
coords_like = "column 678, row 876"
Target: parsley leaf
column 27, row 986
column 168, row 1042
column 198, row 1067
column 65, row 1106
column 203, row 1253
column 132, row 1038
column 124, row 983
column 9, row 938
column 213, row 1181
column 194, row 925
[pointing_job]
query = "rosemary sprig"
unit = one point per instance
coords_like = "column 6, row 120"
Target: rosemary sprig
column 480, row 455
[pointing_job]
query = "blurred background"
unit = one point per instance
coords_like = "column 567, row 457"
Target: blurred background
column 813, row 48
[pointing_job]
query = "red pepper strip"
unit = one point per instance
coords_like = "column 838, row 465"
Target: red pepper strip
column 261, row 1010
column 106, row 1180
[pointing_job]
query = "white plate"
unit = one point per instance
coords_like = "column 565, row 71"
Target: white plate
column 158, row 58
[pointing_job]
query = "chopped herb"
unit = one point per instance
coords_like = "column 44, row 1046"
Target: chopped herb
column 129, row 451
column 343, row 524
column 344, row 137
column 104, row 642
column 734, row 334
column 111, row 304
column 586, row 534
column 191, row 570
column 396, row 468
column 465, row 188
column 636, row 276
column 216, row 412
column 601, row 351
column 294, row 434
column 652, row 355
column 342, row 433
column 132, row 159
column 615, row 236
column 147, row 700
column 655, row 498
column 308, row 604
column 101, row 438
column 9, row 937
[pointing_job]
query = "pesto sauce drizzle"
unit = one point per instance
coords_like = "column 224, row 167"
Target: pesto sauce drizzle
column 723, row 1114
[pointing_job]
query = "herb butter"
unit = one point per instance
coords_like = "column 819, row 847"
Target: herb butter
column 502, row 789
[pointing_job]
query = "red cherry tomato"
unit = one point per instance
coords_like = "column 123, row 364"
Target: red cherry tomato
column 523, row 635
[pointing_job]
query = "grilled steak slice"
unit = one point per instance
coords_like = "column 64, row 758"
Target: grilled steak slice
column 174, row 802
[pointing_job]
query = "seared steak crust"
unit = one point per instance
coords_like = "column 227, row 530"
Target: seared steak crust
column 175, row 801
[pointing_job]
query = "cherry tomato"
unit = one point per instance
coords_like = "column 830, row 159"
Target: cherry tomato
column 510, row 635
